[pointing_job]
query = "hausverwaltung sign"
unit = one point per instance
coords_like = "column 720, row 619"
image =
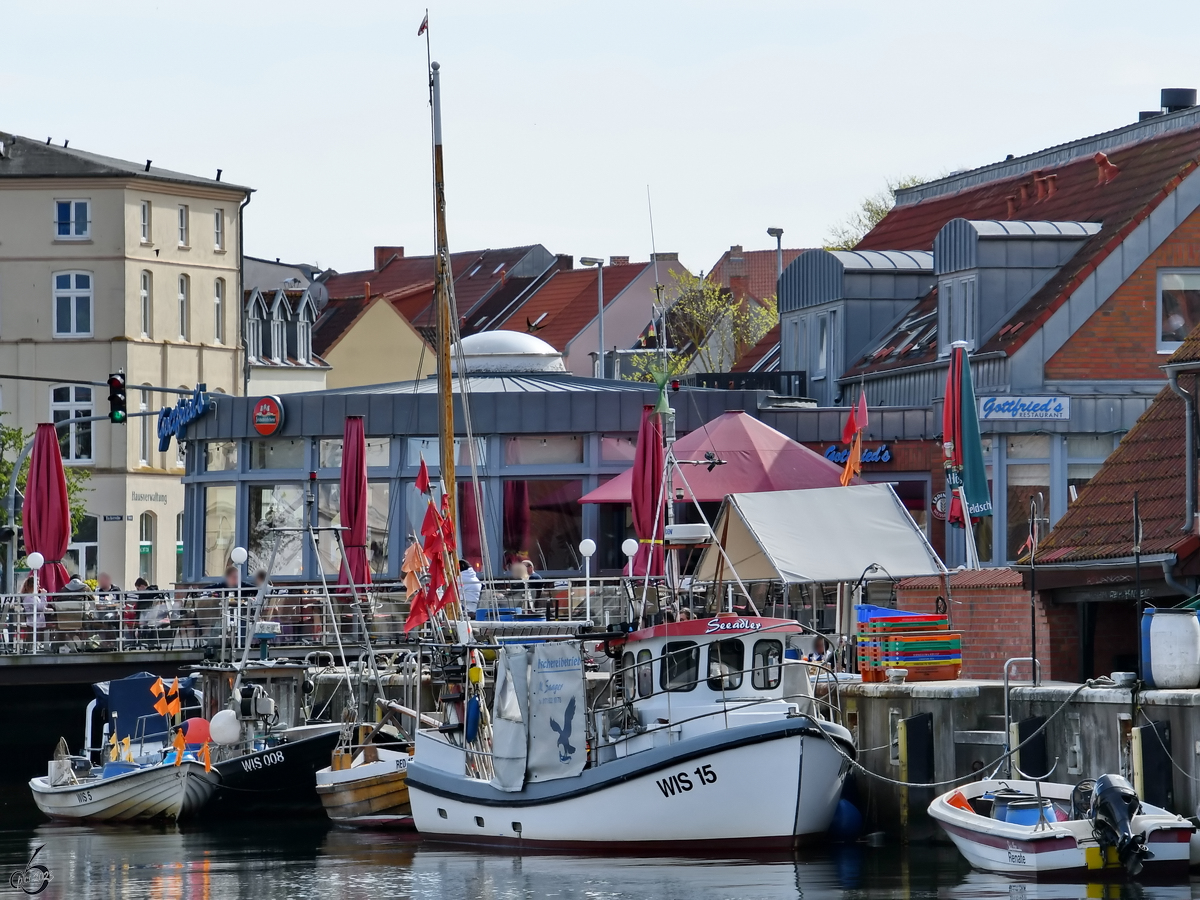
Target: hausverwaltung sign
column 1007, row 408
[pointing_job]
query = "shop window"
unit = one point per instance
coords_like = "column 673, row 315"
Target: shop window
column 468, row 522
column 543, row 522
column 276, row 506
column 680, row 666
column 1024, row 483
column 617, row 448
column 544, row 450
column 379, row 452
column 1178, row 307
column 645, row 673
column 277, row 454
column 221, row 456
column 83, row 553
column 726, row 659
column 628, row 677
column 429, row 449
column 329, row 513
column 219, row 526
column 1086, row 453
column 146, row 546
column 768, row 665
column 1028, row 446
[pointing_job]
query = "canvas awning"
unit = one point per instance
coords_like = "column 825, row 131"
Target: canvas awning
column 820, row 535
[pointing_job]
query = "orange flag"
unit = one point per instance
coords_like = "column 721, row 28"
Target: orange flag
column 161, row 706
column 853, row 461
column 180, row 744
column 207, row 759
column 173, row 704
column 157, row 688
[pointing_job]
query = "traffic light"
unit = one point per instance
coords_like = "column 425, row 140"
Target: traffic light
column 116, row 399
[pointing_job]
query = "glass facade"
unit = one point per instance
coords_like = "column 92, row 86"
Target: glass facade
column 220, row 527
column 276, row 506
column 378, row 514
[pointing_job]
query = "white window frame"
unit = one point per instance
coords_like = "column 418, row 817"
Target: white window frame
column 219, row 311
column 74, row 293
column 71, row 223
column 145, row 443
column 147, row 532
column 821, row 359
column 185, row 289
column 145, row 301
column 1160, row 345
column 75, row 409
column 219, row 229
column 147, row 213
column 184, row 216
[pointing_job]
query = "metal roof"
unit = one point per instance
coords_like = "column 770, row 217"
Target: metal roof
column 865, row 260
column 1023, row 229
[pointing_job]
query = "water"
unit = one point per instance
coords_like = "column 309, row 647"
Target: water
column 265, row 860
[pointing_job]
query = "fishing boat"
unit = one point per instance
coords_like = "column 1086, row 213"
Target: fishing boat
column 1043, row 830
column 365, row 785
column 707, row 735
column 121, row 790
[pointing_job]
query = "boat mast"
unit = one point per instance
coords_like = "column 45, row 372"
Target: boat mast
column 443, row 302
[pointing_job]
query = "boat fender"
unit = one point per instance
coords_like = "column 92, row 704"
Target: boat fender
column 847, row 822
column 1114, row 804
column 472, row 731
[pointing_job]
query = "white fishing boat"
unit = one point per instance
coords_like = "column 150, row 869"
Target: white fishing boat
column 707, row 735
column 122, row 791
column 1046, row 830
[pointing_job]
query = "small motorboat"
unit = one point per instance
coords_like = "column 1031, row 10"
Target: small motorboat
column 1044, row 830
column 366, row 784
column 122, row 790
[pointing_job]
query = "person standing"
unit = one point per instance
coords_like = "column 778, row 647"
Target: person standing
column 471, row 587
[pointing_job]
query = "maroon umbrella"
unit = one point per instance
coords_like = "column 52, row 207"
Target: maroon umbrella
column 47, row 515
column 354, row 503
column 648, row 507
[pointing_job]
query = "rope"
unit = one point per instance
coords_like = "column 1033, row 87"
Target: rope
column 1096, row 682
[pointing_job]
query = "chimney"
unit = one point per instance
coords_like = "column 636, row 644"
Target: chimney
column 664, row 257
column 1039, row 184
column 383, row 254
column 1051, row 185
column 1011, row 210
column 1175, row 99
column 1105, row 170
column 618, row 260
column 1023, row 190
column 564, row 262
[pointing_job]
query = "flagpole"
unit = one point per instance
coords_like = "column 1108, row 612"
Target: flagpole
column 1033, row 589
column 1137, row 579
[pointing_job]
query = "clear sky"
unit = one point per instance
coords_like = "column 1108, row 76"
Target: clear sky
column 557, row 115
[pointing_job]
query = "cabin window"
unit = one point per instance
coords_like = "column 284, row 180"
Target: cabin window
column 680, row 666
column 645, row 673
column 628, row 676
column 726, row 659
column 768, row 665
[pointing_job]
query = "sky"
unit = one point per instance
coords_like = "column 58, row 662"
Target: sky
column 558, row 116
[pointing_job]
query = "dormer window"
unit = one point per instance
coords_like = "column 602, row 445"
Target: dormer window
column 957, row 315
column 1178, row 306
column 255, row 313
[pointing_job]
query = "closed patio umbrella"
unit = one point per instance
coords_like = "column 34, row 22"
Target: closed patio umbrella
column 648, row 507
column 47, row 514
column 354, row 503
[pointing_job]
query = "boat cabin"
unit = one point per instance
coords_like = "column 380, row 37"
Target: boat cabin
column 282, row 683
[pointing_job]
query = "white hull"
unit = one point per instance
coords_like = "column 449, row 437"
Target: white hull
column 163, row 791
column 1057, row 847
column 771, row 792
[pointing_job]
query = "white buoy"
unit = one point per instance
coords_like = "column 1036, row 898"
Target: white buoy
column 224, row 727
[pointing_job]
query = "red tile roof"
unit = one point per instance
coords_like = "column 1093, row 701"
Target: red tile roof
column 965, row 579
column 1150, row 461
column 567, row 302
column 1149, row 171
column 765, row 349
column 339, row 315
column 759, row 267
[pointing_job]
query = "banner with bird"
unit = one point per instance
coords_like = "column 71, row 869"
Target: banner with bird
column 556, row 705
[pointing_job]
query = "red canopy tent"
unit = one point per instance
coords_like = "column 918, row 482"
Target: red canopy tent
column 757, row 458
column 47, row 513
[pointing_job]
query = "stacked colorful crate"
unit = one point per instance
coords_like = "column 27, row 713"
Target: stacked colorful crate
column 922, row 644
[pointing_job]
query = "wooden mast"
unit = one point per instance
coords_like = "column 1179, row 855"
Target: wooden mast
column 443, row 303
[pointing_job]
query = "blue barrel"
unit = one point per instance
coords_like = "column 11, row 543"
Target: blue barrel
column 1171, row 648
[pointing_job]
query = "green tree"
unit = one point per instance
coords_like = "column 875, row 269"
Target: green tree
column 707, row 329
column 847, row 234
column 12, row 439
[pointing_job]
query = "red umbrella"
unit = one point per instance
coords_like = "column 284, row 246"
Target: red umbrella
column 354, row 503
column 47, row 515
column 647, row 495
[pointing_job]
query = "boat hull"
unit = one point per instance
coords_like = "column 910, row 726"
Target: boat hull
column 165, row 791
column 753, row 788
column 371, row 789
column 279, row 778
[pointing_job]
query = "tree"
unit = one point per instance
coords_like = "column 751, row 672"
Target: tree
column 707, row 329
column 12, row 439
column 847, row 234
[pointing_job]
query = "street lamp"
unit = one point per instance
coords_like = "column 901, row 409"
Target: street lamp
column 599, row 264
column 630, row 549
column 36, row 561
column 777, row 233
column 237, row 556
column 587, row 547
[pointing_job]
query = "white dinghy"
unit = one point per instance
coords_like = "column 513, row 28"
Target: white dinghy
column 1045, row 830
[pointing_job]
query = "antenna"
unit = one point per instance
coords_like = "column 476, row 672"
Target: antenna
column 660, row 311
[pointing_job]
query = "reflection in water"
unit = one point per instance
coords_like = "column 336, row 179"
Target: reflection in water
column 265, row 860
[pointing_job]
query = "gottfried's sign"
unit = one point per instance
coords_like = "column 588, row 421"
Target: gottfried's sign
column 267, row 416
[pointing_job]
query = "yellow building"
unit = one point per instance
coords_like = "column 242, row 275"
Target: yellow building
column 105, row 266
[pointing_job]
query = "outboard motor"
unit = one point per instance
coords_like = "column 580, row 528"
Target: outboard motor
column 1114, row 804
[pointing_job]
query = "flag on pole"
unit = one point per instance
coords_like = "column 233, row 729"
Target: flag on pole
column 173, row 704
column 851, row 427
column 860, row 418
column 424, row 25
column 853, row 461
column 204, row 755
column 422, row 482
column 180, row 744
column 852, row 435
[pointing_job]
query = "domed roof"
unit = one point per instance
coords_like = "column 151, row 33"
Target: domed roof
column 508, row 351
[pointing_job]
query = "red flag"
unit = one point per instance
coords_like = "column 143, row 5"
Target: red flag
column 418, row 611
column 431, row 526
column 424, row 25
column 861, row 418
column 422, row 483
column 851, row 426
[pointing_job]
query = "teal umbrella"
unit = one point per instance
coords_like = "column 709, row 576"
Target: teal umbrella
column 966, row 477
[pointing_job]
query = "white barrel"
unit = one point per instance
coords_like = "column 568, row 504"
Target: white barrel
column 1171, row 648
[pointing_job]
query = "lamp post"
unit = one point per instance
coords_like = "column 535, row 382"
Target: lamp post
column 777, row 233
column 599, row 264
column 237, row 556
column 36, row 561
column 587, row 547
column 630, row 548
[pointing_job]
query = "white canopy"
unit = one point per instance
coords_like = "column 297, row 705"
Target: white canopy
column 818, row 535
